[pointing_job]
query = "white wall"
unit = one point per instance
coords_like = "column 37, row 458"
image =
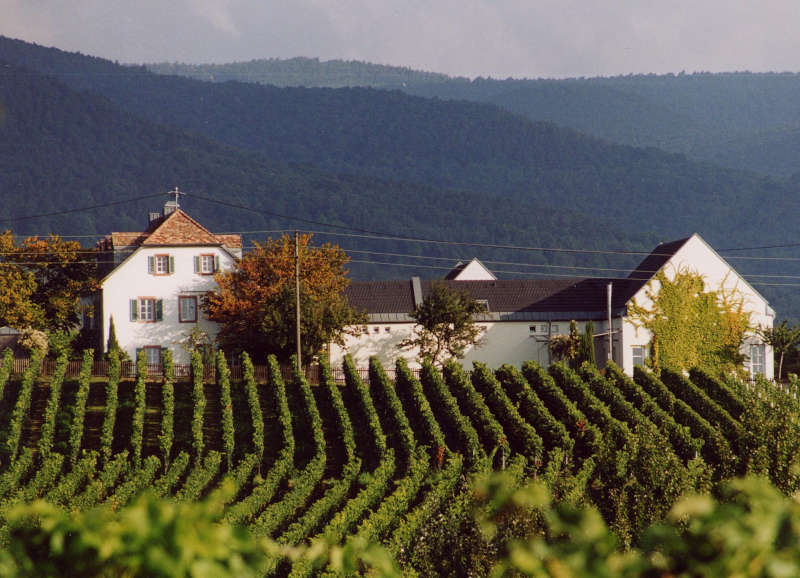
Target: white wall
column 131, row 280
column 501, row 342
column 698, row 257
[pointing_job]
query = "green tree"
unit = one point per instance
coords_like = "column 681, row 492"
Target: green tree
column 695, row 327
column 255, row 302
column 782, row 339
column 586, row 347
column 445, row 325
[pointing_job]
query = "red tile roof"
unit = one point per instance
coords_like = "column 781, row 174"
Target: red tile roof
column 176, row 229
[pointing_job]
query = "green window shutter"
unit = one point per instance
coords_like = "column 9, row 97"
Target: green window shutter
column 196, row 264
column 134, row 309
column 159, row 310
column 151, row 265
column 216, row 263
column 171, row 264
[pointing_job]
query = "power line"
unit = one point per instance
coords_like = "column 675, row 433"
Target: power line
column 80, row 209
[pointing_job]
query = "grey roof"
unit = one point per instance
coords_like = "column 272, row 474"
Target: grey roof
column 517, row 299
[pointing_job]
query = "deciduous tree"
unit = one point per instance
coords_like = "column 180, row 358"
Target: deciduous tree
column 445, row 324
column 782, row 339
column 41, row 281
column 255, row 302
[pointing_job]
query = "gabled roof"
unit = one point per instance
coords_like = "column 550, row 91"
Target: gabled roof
column 518, row 298
column 472, row 271
column 657, row 259
column 174, row 230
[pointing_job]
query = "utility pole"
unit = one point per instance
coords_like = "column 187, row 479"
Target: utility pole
column 610, row 321
column 297, row 295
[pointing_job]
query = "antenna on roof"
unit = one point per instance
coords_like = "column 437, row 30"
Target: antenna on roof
column 172, row 206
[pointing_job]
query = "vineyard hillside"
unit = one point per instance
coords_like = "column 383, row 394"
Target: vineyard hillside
column 385, row 454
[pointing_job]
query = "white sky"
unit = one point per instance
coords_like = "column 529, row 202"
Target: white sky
column 498, row 38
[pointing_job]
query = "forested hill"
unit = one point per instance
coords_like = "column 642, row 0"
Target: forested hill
column 740, row 119
column 366, row 158
column 61, row 150
column 308, row 72
column 443, row 144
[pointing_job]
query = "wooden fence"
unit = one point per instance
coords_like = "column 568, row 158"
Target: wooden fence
column 184, row 371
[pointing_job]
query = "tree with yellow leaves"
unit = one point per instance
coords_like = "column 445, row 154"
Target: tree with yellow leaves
column 255, row 302
column 41, row 282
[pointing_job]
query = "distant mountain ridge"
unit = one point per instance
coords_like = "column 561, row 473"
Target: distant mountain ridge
column 366, row 158
column 725, row 118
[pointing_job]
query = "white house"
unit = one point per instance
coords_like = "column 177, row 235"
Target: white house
column 522, row 314
column 152, row 282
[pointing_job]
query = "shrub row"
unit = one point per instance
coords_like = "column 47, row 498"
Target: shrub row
column 112, row 402
column 719, row 392
column 48, row 427
column 43, row 479
column 244, row 511
column 169, row 479
column 366, row 406
column 465, row 437
column 575, row 391
column 417, row 406
column 680, row 437
column 304, row 483
column 390, row 409
column 257, row 418
column 311, row 519
column 70, row 483
column 16, row 471
column 550, row 429
column 236, row 479
column 376, row 487
column 395, row 504
column 6, row 365
column 198, row 406
column 138, row 480
column 474, row 406
column 23, row 404
column 697, row 399
column 224, row 384
column 166, row 437
column 522, row 435
column 420, row 515
column 97, row 489
column 79, row 407
column 200, row 476
column 716, row 451
column 139, row 398
column 343, row 422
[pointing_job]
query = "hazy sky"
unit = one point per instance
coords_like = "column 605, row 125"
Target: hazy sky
column 499, row 38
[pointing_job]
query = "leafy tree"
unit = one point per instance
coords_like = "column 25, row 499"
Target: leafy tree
column 41, row 281
column 568, row 347
column 445, row 325
column 695, row 327
column 255, row 303
column 782, row 339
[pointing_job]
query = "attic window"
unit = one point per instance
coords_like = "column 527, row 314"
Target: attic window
column 483, row 304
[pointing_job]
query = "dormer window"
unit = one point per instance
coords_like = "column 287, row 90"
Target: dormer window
column 483, row 304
